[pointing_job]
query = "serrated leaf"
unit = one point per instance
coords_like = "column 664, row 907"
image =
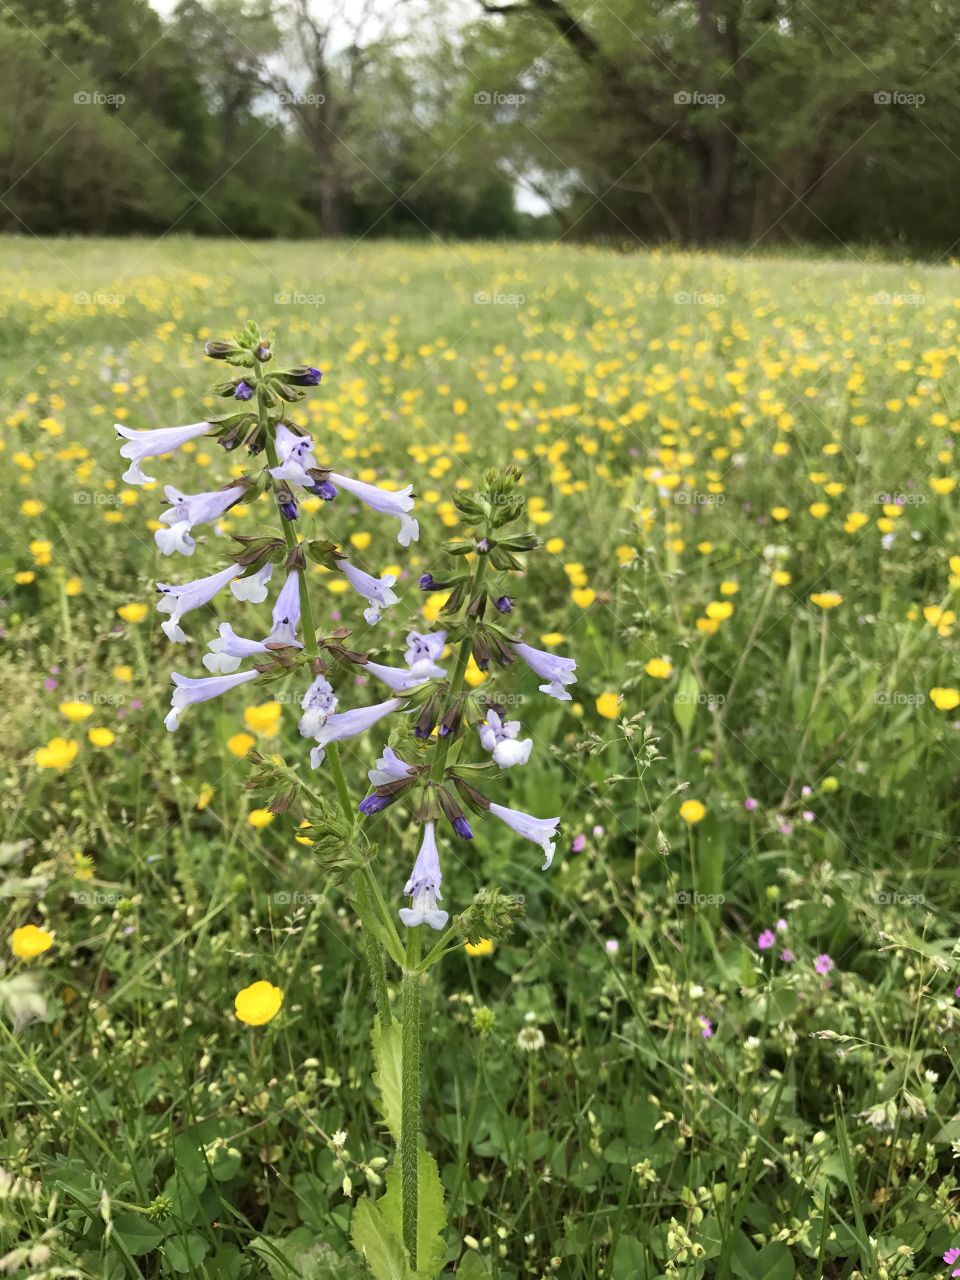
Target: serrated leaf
column 387, row 1073
column 431, row 1214
column 377, row 1244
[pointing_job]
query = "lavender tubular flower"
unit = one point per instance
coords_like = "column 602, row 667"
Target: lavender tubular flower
column 286, row 613
column 424, row 648
column 318, row 705
column 421, row 657
column 347, row 724
column 400, row 679
column 377, row 591
column 189, row 690
column 253, row 589
column 389, row 768
column 556, row 671
column 386, row 501
column 541, row 831
column 191, row 595
column 229, row 650
column 500, row 738
column 423, row 887
column 188, row 510
column 153, row 444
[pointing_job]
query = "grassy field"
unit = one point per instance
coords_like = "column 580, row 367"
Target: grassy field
column 743, row 961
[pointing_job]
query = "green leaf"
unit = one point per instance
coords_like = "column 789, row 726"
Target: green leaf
column 772, row 1262
column 139, row 1235
column 431, row 1215
column 377, row 1244
column 685, row 702
column 472, row 1267
column 386, row 1076
column 185, row 1253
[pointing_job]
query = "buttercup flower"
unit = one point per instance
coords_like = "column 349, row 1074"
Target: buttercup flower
column 258, row 1003
column 59, row 754
column 608, row 705
column 945, row 699
column 29, row 941
column 423, row 886
column 693, row 811
column 153, row 444
column 484, row 947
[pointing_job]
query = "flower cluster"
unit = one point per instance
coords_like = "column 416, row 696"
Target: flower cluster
column 433, row 707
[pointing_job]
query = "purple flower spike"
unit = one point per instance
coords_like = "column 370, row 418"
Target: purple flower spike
column 504, row 604
column 243, row 391
column 425, row 582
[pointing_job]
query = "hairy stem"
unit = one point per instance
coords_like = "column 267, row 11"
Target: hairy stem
column 409, row 1152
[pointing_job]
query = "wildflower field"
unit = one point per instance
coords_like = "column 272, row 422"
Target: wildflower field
column 721, row 1040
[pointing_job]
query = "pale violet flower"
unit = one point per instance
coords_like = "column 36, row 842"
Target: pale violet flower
column 556, row 671
column 191, row 595
column 189, row 690
column 318, row 705
column 377, row 591
column 153, row 444
column 388, row 502
column 423, row 887
column 229, row 650
column 189, row 509
column 427, row 648
column 400, row 679
column 542, row 831
column 389, row 768
column 347, row 724
column 421, row 656
column 295, row 453
column 500, row 738
column 253, row 589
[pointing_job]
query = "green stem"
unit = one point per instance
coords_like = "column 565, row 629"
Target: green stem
column 378, row 973
column 456, row 681
column 409, row 1152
